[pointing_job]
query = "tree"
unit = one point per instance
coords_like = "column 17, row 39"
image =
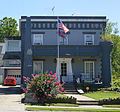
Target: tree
column 110, row 34
column 8, row 27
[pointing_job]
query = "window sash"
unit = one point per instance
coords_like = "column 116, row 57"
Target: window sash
column 37, row 67
column 89, row 39
column 38, row 39
column 13, row 45
column 89, row 68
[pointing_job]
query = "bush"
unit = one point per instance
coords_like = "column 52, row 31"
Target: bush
column 110, row 101
column 43, row 86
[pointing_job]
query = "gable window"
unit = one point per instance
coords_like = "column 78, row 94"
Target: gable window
column 89, row 39
column 38, row 39
column 13, row 45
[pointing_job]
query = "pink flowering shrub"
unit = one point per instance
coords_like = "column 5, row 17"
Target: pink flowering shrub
column 43, row 86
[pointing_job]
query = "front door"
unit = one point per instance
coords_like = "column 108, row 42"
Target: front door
column 65, row 70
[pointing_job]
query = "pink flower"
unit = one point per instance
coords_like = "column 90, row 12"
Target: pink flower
column 62, row 89
column 24, row 89
column 48, row 81
column 35, row 91
column 36, row 75
column 44, row 82
column 24, row 77
column 49, row 95
column 31, row 84
column 56, row 78
column 63, row 83
column 50, row 72
column 32, row 75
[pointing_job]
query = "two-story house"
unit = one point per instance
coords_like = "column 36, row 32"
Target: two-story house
column 12, row 58
column 83, row 54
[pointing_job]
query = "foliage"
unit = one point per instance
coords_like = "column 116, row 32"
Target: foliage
column 44, row 86
column 8, row 27
column 115, row 81
column 55, row 104
column 112, row 106
column 110, row 34
column 110, row 101
column 97, row 95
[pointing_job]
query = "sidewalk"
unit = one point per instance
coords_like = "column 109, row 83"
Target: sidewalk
column 80, row 97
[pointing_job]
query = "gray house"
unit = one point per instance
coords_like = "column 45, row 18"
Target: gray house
column 83, row 54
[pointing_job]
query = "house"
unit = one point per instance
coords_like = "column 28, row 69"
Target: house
column 2, row 52
column 82, row 55
column 12, row 58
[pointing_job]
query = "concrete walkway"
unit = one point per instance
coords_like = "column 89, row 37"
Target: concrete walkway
column 80, row 97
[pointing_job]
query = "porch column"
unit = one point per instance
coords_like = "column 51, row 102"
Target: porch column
column 106, row 63
column 26, row 47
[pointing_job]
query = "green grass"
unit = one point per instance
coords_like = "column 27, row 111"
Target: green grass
column 55, row 104
column 97, row 95
column 71, row 109
column 113, row 106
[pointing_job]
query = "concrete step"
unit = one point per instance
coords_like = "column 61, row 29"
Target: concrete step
column 84, row 102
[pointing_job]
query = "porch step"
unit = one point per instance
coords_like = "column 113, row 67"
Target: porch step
column 82, row 102
column 70, row 88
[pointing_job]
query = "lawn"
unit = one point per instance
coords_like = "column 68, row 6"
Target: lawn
column 71, row 109
column 112, row 106
column 97, row 95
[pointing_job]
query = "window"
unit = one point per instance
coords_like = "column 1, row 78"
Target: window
column 38, row 39
column 89, row 68
column 13, row 45
column 37, row 67
column 89, row 39
column 0, row 49
column 63, row 41
column 63, row 69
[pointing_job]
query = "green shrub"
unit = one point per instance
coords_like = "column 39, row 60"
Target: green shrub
column 44, row 87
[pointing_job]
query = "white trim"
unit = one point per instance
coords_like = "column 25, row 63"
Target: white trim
column 79, row 20
column 11, row 68
column 92, row 35
column 93, row 67
column 69, row 76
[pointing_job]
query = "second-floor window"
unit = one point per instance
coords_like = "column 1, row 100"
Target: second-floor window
column 38, row 39
column 13, row 45
column 88, row 39
column 63, row 41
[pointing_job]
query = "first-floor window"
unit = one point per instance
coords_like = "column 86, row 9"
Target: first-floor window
column 37, row 67
column 64, row 69
column 89, row 68
column 89, row 39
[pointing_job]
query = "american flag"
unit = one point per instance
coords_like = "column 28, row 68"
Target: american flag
column 62, row 26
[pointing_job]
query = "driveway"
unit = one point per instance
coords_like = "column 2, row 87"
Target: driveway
column 10, row 99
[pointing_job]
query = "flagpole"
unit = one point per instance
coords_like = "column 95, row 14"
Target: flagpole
column 58, row 50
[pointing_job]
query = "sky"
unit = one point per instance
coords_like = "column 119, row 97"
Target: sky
column 18, row 8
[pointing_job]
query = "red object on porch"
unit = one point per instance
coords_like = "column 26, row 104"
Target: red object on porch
column 10, row 81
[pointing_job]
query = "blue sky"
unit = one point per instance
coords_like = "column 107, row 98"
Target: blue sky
column 18, row 8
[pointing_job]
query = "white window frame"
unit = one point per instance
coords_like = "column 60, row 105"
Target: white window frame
column 41, row 62
column 40, row 41
column 15, row 49
column 93, row 67
column 87, row 43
